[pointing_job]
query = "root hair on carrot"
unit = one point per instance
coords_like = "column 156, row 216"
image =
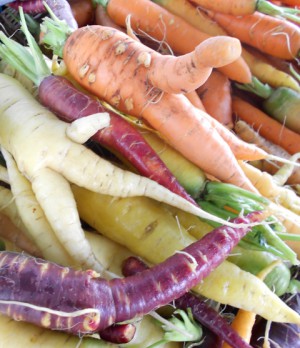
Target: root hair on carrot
column 194, row 263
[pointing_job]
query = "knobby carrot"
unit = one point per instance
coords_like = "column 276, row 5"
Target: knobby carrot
column 185, row 127
column 274, row 36
column 215, row 95
column 164, row 26
column 267, row 127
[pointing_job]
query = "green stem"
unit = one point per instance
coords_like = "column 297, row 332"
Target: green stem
column 270, row 9
column 103, row 3
column 257, row 87
column 288, row 236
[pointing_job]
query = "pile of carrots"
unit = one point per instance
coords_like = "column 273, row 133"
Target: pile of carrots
column 217, row 82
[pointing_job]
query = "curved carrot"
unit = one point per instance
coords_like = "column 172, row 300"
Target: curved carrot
column 164, row 26
column 80, row 302
column 215, row 94
column 267, row 127
column 274, row 36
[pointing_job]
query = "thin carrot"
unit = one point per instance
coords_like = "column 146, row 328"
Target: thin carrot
column 267, row 127
column 244, row 320
column 248, row 134
column 266, row 72
column 215, row 94
column 246, row 7
column 194, row 15
column 164, row 26
column 275, row 36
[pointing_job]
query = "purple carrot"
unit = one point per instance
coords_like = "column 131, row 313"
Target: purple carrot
column 202, row 312
column 61, row 8
column 59, row 95
column 80, row 302
column 32, row 7
column 118, row 333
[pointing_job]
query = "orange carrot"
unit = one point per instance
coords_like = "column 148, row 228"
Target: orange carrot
column 194, row 98
column 105, row 62
column 267, row 126
column 233, row 7
column 157, row 22
column 215, row 94
column 274, row 36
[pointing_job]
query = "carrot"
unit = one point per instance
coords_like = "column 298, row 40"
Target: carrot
column 83, row 11
column 281, row 103
column 98, row 303
column 201, row 311
column 102, row 18
column 140, row 224
column 246, row 7
column 244, row 321
column 192, row 14
column 274, row 36
column 248, row 134
column 157, row 112
column 193, row 97
column 164, row 26
column 267, row 127
column 267, row 73
column 122, row 138
column 215, row 94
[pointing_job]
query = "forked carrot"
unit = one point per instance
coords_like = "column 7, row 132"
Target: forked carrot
column 215, row 94
column 274, row 36
column 267, row 127
column 157, row 22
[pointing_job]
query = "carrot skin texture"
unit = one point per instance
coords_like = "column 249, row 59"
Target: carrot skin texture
column 166, row 27
column 205, row 315
column 69, row 104
column 168, row 113
column 279, row 38
column 40, row 283
column 31, row 6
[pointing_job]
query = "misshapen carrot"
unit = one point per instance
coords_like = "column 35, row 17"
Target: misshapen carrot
column 186, row 128
column 164, row 26
column 274, row 36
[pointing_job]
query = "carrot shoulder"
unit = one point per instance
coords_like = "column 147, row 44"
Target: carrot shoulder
column 160, row 24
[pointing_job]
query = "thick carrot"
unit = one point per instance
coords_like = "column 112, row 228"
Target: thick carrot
column 164, row 26
column 215, row 95
column 183, row 128
column 80, row 302
column 267, row 127
column 201, row 311
column 272, row 35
